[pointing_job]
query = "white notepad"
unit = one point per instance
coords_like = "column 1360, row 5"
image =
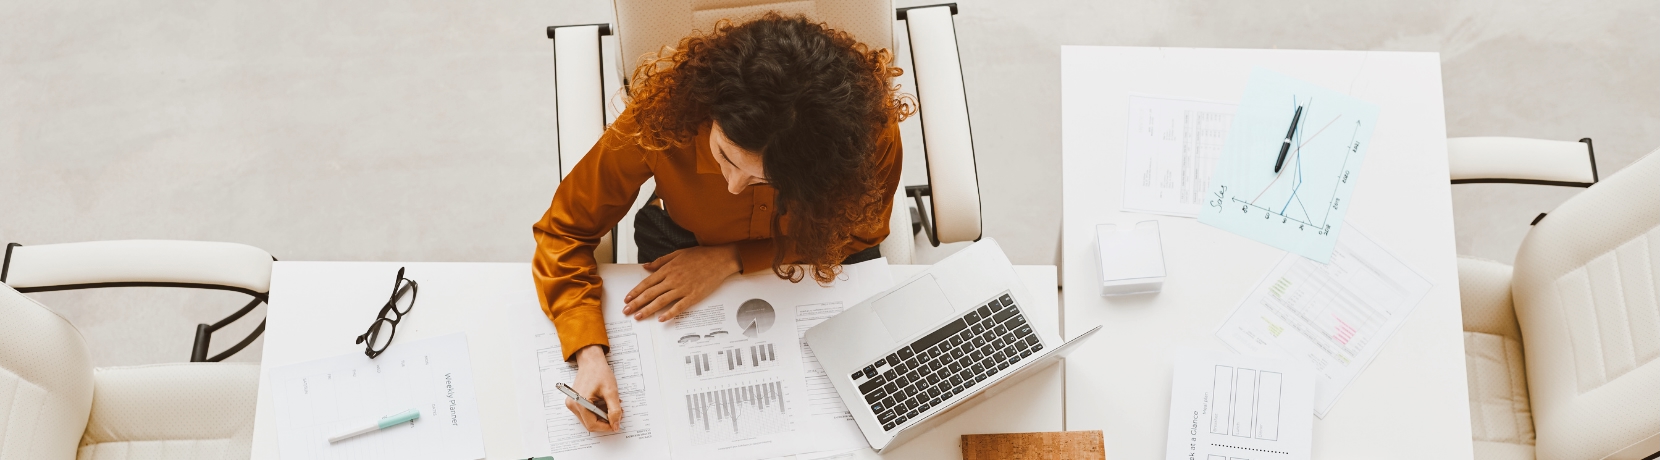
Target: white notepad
column 317, row 399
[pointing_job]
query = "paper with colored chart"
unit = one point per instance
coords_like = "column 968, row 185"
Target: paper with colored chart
column 1300, row 207
column 1335, row 316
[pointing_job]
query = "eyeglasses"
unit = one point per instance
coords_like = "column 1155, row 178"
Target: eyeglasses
column 386, row 325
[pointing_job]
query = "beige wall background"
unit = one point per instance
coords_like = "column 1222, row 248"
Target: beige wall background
column 424, row 130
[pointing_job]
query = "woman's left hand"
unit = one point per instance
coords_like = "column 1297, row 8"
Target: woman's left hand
column 680, row 280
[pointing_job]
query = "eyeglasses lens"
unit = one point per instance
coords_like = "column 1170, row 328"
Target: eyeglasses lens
column 380, row 335
column 404, row 297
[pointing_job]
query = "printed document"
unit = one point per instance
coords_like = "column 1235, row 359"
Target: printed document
column 1333, row 316
column 318, row 399
column 730, row 378
column 1299, row 207
column 539, row 363
column 1230, row 407
column 1173, row 145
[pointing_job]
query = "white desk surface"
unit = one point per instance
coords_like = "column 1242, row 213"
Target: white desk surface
column 1411, row 402
column 317, row 309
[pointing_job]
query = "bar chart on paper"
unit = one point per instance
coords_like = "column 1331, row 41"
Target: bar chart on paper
column 731, row 360
column 1298, row 206
column 737, row 411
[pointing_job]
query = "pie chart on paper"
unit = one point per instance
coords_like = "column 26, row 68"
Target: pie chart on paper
column 755, row 316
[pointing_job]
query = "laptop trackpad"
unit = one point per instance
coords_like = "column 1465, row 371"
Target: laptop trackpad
column 913, row 308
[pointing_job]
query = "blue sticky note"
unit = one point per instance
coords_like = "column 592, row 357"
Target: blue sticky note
column 1301, row 208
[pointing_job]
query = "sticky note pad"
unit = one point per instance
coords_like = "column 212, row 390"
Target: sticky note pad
column 1131, row 260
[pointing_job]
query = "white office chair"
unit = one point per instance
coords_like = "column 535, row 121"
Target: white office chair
column 1562, row 349
column 645, row 26
column 60, row 407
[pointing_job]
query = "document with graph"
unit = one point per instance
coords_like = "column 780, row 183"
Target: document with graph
column 1225, row 406
column 734, row 374
column 1172, row 146
column 1300, row 207
column 1334, row 316
column 729, row 378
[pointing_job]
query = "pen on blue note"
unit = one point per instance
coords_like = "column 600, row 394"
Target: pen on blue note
column 1286, row 146
column 384, row 423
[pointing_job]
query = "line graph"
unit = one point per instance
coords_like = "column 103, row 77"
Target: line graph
column 1300, row 207
column 1296, row 160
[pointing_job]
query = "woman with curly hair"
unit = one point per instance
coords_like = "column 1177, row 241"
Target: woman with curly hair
column 775, row 145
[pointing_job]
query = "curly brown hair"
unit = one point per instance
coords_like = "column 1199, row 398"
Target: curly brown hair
column 810, row 100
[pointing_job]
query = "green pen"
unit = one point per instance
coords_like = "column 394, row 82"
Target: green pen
column 384, row 423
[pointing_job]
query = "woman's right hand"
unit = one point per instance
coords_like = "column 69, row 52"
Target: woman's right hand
column 595, row 381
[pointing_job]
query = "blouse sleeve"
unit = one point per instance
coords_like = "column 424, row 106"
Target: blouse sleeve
column 590, row 201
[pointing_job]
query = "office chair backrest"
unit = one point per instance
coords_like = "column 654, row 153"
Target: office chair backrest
column 45, row 381
column 1587, row 296
column 644, row 26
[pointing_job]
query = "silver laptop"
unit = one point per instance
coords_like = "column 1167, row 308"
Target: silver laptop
column 903, row 358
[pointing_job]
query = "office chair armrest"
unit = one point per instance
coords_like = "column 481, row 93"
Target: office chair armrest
column 173, row 402
column 900, row 245
column 1521, row 160
column 579, row 90
column 49, row 267
column 943, row 105
column 1484, row 296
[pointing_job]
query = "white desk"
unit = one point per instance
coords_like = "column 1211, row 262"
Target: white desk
column 1411, row 402
column 317, row 309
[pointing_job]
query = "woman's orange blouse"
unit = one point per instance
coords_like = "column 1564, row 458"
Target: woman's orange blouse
column 599, row 191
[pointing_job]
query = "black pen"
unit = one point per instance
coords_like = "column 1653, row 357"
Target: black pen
column 1286, row 146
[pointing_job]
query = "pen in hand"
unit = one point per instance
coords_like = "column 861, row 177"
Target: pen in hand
column 1286, row 146
column 584, row 402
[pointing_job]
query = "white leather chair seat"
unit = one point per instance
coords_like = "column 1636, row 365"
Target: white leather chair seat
column 1501, row 419
column 172, row 411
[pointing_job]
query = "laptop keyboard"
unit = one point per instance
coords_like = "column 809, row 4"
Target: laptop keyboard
column 970, row 349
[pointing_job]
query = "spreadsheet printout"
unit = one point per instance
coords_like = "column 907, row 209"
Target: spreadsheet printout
column 1334, row 316
column 539, row 363
column 1172, row 145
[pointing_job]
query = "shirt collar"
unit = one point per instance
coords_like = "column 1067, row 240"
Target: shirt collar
column 705, row 158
